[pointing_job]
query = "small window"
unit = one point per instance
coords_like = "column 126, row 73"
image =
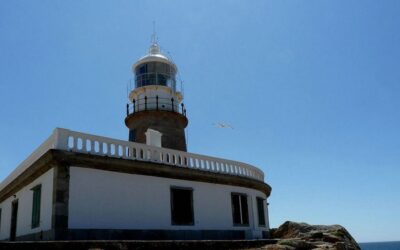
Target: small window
column 240, row 210
column 261, row 213
column 132, row 134
column 0, row 219
column 36, row 205
column 182, row 206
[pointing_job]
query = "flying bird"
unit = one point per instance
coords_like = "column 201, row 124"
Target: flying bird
column 222, row 125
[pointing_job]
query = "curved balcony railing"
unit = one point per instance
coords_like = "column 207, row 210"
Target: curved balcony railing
column 98, row 145
column 155, row 78
column 155, row 103
column 65, row 139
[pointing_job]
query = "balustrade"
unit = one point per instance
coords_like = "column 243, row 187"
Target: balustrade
column 65, row 139
column 85, row 143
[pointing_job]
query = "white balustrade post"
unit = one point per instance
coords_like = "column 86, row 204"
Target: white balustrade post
column 155, row 156
column 61, row 138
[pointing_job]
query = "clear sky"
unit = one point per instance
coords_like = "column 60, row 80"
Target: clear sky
column 311, row 89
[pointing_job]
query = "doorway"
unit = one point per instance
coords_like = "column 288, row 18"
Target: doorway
column 14, row 213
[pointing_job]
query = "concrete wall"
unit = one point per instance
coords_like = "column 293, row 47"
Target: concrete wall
column 24, row 217
column 111, row 200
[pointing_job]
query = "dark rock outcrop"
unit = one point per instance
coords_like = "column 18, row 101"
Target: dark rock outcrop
column 299, row 236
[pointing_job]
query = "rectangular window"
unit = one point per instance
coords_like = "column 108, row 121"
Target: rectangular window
column 182, row 206
column 0, row 219
column 36, row 205
column 240, row 211
column 261, row 211
column 14, row 218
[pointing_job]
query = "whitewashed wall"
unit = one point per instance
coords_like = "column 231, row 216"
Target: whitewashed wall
column 111, row 200
column 25, row 199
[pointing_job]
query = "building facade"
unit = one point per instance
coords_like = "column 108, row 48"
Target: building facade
column 78, row 186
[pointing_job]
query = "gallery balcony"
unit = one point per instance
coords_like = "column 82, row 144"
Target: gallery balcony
column 155, row 103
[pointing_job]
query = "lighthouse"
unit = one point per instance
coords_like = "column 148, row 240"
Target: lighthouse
column 80, row 186
column 155, row 113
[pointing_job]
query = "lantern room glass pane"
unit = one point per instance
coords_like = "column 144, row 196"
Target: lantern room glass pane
column 155, row 73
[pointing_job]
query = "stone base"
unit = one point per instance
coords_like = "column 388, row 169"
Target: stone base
column 119, row 245
column 120, row 234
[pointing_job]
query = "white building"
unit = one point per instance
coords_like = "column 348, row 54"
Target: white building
column 81, row 186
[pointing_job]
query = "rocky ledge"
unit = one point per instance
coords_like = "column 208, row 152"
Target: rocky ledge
column 298, row 236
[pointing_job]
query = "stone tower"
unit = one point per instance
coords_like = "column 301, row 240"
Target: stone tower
column 155, row 105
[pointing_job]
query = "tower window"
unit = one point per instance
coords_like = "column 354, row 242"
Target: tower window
column 132, row 134
column 36, row 205
column 261, row 213
column 182, row 206
column 240, row 211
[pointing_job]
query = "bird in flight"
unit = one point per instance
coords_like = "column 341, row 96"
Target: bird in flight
column 222, row 125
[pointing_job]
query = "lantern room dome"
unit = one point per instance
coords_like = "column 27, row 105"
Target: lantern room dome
column 154, row 55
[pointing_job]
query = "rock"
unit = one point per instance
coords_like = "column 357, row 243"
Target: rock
column 293, row 235
column 278, row 247
column 297, row 244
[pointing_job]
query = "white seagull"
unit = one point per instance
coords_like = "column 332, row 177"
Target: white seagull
column 222, row 125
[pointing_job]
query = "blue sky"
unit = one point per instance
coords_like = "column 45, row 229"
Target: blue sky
column 312, row 89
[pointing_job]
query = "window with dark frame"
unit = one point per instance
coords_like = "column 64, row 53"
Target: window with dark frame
column 261, row 211
column 132, row 135
column 240, row 211
column 182, row 206
column 37, row 190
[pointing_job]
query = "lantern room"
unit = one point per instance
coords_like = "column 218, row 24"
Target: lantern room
column 155, row 69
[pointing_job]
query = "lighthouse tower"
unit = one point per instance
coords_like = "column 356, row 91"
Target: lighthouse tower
column 156, row 114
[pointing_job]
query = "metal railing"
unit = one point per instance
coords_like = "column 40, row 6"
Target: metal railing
column 155, row 103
